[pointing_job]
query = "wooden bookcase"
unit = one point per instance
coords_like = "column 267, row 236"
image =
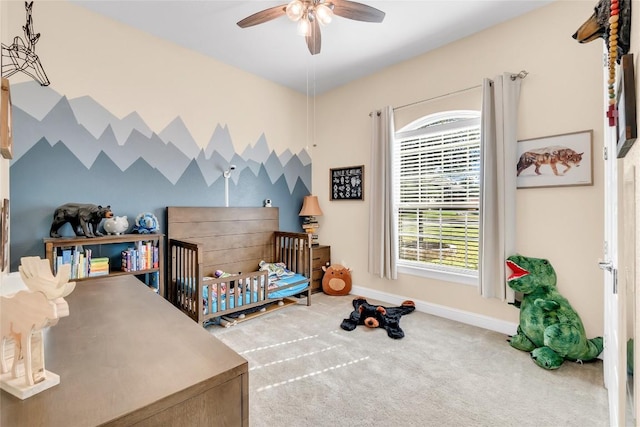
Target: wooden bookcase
column 51, row 245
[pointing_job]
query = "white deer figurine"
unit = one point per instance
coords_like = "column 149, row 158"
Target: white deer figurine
column 24, row 316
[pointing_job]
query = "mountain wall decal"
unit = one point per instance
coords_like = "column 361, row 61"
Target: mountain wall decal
column 87, row 129
column 75, row 150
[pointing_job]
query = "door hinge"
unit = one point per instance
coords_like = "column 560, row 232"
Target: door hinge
column 608, row 266
column 604, row 154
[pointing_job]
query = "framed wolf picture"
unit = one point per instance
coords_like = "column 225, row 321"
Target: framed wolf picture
column 555, row 161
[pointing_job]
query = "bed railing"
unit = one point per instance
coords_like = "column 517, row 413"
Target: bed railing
column 293, row 250
column 192, row 290
column 185, row 274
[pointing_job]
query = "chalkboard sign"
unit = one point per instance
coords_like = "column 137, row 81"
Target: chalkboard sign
column 347, row 183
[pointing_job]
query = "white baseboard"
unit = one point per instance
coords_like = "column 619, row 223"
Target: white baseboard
column 473, row 319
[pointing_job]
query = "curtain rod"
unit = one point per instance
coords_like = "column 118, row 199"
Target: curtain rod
column 436, row 97
column 521, row 75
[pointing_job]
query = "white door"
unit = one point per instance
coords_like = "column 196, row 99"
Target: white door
column 614, row 372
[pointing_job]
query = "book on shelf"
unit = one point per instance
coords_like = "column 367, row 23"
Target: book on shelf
column 77, row 257
column 142, row 256
column 98, row 266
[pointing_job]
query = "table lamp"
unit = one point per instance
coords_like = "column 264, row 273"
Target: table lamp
column 310, row 210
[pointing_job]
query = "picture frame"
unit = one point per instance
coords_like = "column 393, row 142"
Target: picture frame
column 627, row 126
column 555, row 161
column 6, row 133
column 346, row 183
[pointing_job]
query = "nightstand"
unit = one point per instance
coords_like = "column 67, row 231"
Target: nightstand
column 320, row 256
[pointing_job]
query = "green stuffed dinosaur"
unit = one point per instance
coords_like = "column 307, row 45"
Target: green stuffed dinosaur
column 549, row 327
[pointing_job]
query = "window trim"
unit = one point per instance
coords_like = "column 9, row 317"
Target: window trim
column 407, row 267
column 466, row 119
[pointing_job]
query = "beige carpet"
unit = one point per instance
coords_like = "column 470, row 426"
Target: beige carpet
column 306, row 371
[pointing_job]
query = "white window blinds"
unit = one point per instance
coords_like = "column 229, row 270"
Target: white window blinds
column 437, row 178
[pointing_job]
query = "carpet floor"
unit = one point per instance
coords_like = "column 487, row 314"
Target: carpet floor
column 304, row 370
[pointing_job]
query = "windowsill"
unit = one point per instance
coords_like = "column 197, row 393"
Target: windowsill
column 463, row 279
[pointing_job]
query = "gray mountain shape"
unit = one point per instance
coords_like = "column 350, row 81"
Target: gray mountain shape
column 30, row 132
column 285, row 156
column 60, row 124
column 177, row 133
column 34, row 99
column 50, row 174
column 165, row 152
column 220, row 142
column 96, row 119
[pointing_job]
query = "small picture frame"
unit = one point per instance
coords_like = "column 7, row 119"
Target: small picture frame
column 626, row 106
column 346, row 183
column 6, row 134
column 555, row 161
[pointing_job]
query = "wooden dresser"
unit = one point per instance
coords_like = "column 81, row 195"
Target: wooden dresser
column 320, row 256
column 126, row 356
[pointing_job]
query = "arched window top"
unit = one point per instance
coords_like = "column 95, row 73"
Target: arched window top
column 441, row 118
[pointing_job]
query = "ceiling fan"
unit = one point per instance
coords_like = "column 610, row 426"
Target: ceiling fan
column 310, row 14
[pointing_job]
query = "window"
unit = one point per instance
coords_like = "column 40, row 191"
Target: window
column 437, row 195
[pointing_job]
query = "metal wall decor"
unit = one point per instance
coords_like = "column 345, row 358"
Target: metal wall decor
column 20, row 56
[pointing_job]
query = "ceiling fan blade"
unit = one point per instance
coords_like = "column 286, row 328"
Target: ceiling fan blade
column 357, row 11
column 263, row 16
column 313, row 38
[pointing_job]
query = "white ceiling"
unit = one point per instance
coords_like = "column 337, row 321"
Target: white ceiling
column 273, row 50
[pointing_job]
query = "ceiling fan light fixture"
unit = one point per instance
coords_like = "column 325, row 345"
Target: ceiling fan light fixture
column 295, row 10
column 324, row 14
column 304, row 27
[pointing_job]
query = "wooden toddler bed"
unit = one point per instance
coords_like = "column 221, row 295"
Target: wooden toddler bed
column 215, row 257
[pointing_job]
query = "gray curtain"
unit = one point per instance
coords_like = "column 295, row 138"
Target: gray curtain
column 383, row 241
column 500, row 98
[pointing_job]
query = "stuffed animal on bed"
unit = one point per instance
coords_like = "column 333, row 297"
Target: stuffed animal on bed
column 377, row 316
column 550, row 329
column 278, row 269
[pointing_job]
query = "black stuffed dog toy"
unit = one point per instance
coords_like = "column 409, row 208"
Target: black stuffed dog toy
column 377, row 316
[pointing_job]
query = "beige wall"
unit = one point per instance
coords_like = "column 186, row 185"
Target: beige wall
column 127, row 70
column 562, row 93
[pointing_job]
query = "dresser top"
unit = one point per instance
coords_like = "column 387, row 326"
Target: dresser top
column 124, row 353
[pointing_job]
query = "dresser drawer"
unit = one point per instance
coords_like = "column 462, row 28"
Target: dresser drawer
column 320, row 256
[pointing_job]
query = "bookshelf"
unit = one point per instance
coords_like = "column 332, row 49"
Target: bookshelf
column 53, row 248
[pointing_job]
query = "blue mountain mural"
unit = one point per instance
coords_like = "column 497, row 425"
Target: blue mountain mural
column 78, row 151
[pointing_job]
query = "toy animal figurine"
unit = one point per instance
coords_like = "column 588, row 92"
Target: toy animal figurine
column 146, row 223
column 336, row 280
column 83, row 217
column 116, row 225
column 36, row 275
column 24, row 316
column 377, row 316
column 550, row 329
